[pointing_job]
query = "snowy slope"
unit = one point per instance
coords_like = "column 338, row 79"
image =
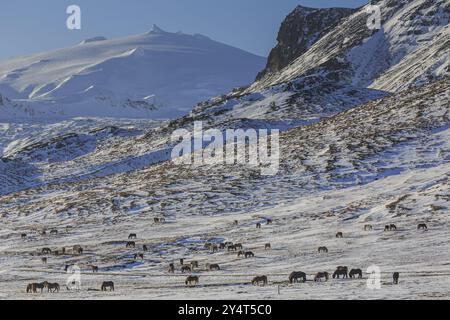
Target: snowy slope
column 157, row 74
column 383, row 162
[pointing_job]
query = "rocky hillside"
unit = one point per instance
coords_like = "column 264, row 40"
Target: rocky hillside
column 299, row 31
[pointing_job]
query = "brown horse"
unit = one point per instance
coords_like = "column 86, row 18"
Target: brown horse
column 341, row 271
column 323, row 250
column 296, row 275
column 52, row 287
column 33, row 287
column 108, row 285
column 258, row 280
column 192, row 280
column 77, row 249
column 236, row 222
column 222, row 246
column 238, row 246
column 214, row 248
column 213, row 267
column 186, row 268
column 339, row 235
column 355, row 272
column 94, row 269
column 232, row 248
column 139, row 256
column 30, row 288
column 321, row 275
column 267, row 246
column 249, row 254
column 132, row 236
column 396, row 276
column 422, row 226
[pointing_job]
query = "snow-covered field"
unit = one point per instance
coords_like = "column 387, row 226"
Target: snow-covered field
column 299, row 227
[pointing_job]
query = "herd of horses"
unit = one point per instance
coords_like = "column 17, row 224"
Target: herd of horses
column 192, row 280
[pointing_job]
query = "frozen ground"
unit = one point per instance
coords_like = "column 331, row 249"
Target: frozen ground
column 421, row 257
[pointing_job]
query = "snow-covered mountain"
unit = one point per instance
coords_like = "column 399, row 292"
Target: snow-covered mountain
column 155, row 75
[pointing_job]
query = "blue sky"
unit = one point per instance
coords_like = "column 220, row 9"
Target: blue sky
column 29, row 26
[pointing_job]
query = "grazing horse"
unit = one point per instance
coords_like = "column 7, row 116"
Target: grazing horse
column 192, row 280
column 296, row 275
column 396, row 276
column 108, row 285
column 393, row 227
column 23, row 235
column 323, row 249
column 232, row 248
column 131, row 244
column 139, row 255
column 171, row 268
column 249, row 254
column 52, row 287
column 77, row 249
column 267, row 246
column 132, row 236
column 213, row 267
column 144, row 248
column 46, row 251
column 387, row 228
column 341, row 271
column 36, row 286
column 241, row 253
column 355, row 272
column 339, row 235
column 54, row 231
column 368, row 227
column 30, row 288
column 238, row 246
column 422, row 226
column 320, row 275
column 94, row 269
column 194, row 264
column 186, row 268
column 261, row 279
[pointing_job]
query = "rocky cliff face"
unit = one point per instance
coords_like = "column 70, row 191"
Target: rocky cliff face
column 299, row 31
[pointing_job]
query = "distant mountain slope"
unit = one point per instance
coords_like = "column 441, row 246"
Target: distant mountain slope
column 156, row 74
